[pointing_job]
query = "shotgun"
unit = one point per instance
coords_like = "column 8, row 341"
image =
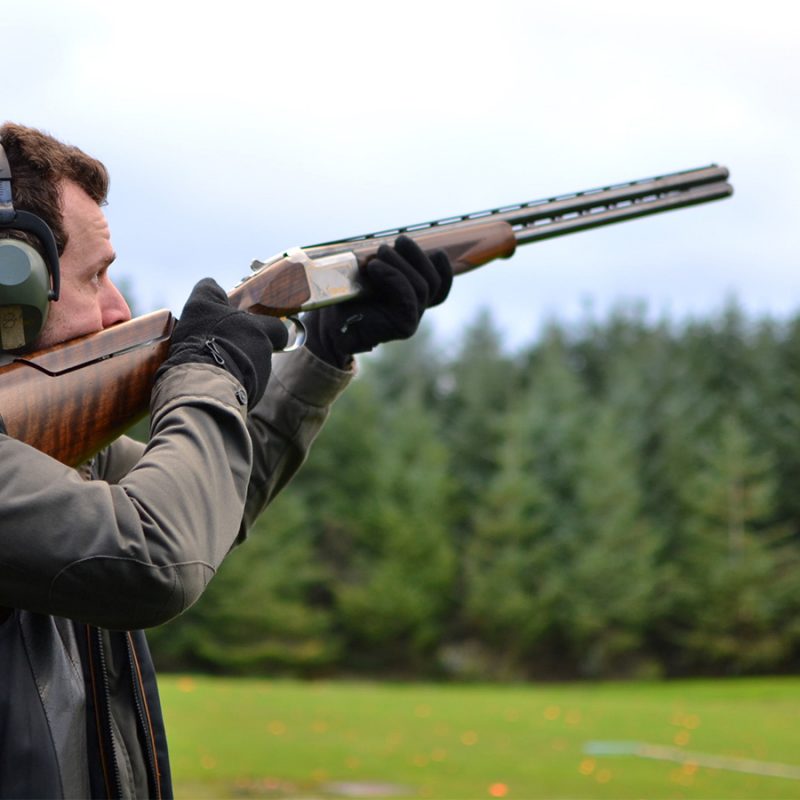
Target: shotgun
column 71, row 400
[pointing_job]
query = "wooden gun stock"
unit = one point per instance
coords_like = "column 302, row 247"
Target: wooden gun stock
column 71, row 400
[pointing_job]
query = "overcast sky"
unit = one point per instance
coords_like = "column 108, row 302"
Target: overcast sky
column 235, row 130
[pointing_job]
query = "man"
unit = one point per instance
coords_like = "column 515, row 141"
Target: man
column 90, row 556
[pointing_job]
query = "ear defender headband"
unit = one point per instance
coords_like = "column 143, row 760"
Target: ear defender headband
column 28, row 280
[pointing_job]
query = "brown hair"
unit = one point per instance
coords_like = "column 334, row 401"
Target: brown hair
column 39, row 163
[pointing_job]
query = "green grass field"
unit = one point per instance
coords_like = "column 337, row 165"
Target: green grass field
column 263, row 738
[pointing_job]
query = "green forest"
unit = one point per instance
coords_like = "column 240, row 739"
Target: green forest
column 617, row 499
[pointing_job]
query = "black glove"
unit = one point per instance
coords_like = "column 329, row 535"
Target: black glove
column 400, row 282
column 211, row 331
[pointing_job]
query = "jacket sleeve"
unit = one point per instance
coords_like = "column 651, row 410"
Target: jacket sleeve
column 286, row 421
column 282, row 428
column 114, row 462
column 137, row 552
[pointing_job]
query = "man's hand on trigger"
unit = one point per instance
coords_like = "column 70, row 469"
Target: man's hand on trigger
column 211, row 331
column 401, row 283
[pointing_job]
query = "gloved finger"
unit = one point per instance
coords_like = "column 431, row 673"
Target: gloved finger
column 208, row 290
column 393, row 285
column 273, row 329
column 206, row 304
column 444, row 269
column 270, row 331
column 388, row 261
column 421, row 263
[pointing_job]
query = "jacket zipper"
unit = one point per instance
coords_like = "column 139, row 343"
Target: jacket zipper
column 143, row 714
column 105, row 734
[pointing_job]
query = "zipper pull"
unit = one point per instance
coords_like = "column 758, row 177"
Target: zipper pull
column 211, row 344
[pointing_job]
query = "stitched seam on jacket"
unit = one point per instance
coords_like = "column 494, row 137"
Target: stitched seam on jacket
column 177, row 581
column 133, row 561
column 68, row 652
column 44, row 707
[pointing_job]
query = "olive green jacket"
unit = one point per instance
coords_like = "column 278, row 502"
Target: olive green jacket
column 130, row 541
column 138, row 546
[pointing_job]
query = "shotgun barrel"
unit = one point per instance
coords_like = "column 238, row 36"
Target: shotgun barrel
column 570, row 213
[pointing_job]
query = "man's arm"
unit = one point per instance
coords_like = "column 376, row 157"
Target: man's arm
column 282, row 427
column 299, row 396
column 139, row 552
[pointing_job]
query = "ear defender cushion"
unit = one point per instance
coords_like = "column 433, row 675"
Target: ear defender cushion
column 24, row 294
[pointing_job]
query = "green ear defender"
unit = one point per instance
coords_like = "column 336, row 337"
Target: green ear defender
column 24, row 294
column 29, row 281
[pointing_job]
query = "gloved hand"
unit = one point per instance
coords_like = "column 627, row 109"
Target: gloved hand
column 211, row 331
column 401, row 282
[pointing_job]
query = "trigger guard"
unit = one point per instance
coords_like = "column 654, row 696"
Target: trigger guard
column 297, row 334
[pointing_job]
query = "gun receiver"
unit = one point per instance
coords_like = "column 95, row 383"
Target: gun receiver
column 71, row 400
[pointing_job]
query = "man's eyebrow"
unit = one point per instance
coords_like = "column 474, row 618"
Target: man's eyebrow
column 101, row 264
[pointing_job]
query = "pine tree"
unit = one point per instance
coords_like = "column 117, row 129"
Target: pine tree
column 612, row 569
column 479, row 385
column 395, row 591
column 734, row 567
column 379, row 488
column 512, row 579
column 516, row 585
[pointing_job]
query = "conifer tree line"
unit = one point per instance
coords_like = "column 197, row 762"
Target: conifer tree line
column 620, row 498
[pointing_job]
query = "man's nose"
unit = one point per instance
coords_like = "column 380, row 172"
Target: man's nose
column 114, row 309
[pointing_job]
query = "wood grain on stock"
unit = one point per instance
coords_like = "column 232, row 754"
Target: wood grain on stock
column 93, row 389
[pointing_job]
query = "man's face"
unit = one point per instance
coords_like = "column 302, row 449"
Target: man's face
column 89, row 301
